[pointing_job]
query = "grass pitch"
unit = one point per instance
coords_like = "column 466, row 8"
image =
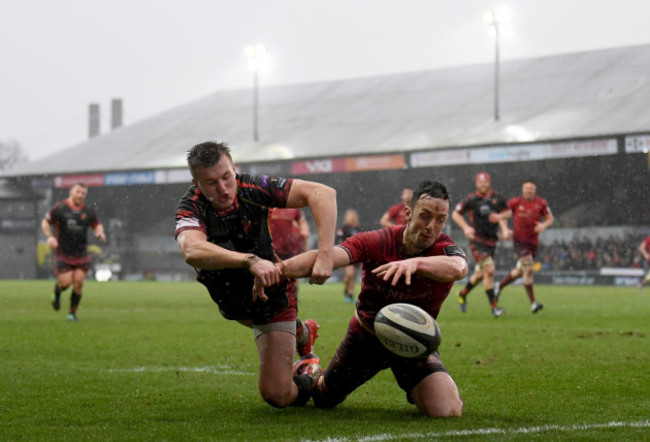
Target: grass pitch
column 156, row 361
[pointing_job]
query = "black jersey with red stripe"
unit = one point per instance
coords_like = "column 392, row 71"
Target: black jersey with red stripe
column 379, row 247
column 71, row 228
column 479, row 208
column 243, row 228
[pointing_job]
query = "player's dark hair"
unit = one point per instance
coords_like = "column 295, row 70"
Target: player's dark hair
column 206, row 154
column 432, row 188
column 80, row 184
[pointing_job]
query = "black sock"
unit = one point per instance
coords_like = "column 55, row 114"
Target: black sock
column 57, row 291
column 75, row 299
column 467, row 289
column 302, row 382
column 490, row 295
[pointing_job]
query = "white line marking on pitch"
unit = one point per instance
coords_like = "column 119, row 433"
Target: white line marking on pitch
column 214, row 370
column 486, row 431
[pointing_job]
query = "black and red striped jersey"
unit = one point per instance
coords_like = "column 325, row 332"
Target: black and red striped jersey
column 243, row 228
column 71, row 227
column 479, row 208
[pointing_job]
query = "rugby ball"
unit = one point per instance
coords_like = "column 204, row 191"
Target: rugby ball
column 407, row 330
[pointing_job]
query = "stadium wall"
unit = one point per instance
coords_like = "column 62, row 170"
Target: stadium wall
column 595, row 182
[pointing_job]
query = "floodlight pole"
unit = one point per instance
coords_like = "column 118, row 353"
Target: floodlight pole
column 496, row 71
column 255, row 103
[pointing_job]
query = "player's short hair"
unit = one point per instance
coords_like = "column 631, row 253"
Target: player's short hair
column 531, row 181
column 206, row 154
column 432, row 188
column 80, row 184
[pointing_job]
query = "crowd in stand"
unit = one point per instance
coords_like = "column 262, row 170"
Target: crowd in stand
column 582, row 254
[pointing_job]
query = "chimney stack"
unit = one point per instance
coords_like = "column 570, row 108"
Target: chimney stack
column 116, row 113
column 94, row 128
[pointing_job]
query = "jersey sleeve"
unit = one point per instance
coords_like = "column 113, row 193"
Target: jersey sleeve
column 265, row 190
column 188, row 214
column 357, row 246
column 512, row 204
column 461, row 207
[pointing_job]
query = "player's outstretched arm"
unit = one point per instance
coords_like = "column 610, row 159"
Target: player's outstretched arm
column 300, row 266
column 321, row 200
column 440, row 268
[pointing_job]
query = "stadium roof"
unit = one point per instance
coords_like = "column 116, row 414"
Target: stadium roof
column 574, row 95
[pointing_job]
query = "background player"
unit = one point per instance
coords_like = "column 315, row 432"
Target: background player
column 71, row 219
column 527, row 213
column 222, row 231
column 644, row 250
column 396, row 214
column 289, row 231
column 414, row 263
column 487, row 211
column 349, row 228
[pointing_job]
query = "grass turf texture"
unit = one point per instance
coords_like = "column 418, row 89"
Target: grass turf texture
column 156, row 361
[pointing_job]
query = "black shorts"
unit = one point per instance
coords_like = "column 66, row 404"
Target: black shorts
column 481, row 251
column 360, row 357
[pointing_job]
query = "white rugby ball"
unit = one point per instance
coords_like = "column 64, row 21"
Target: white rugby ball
column 407, row 330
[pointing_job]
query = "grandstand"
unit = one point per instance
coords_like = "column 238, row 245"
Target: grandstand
column 575, row 123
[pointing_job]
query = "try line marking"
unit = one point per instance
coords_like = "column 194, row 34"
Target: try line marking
column 214, row 370
column 486, row 431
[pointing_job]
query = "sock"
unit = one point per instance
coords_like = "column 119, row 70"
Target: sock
column 302, row 382
column 505, row 281
column 467, row 289
column 57, row 290
column 302, row 333
column 491, row 298
column 75, row 299
column 529, row 292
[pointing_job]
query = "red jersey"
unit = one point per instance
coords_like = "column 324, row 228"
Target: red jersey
column 379, row 247
column 646, row 243
column 397, row 214
column 525, row 216
column 285, row 231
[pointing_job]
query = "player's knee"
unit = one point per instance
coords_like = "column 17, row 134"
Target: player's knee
column 276, row 396
column 449, row 408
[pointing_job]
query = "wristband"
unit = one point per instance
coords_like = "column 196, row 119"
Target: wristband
column 250, row 260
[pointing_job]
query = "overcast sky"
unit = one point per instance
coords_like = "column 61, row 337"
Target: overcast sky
column 57, row 56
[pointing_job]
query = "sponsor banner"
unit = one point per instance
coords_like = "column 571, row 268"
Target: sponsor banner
column 440, row 158
column 638, row 143
column 169, row 176
column 65, row 181
column 353, row 164
column 18, row 225
column 626, row 281
column 375, row 162
column 129, row 178
column 318, row 166
column 509, row 154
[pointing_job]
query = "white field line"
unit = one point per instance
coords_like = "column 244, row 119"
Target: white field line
column 486, row 431
column 214, row 370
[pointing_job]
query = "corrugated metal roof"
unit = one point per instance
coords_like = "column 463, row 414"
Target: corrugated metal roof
column 564, row 96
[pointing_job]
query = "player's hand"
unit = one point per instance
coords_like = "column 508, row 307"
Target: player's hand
column 52, row 243
column 469, row 233
column 396, row 270
column 101, row 236
column 539, row 228
column 267, row 272
column 494, row 218
column 322, row 269
column 506, row 234
column 258, row 291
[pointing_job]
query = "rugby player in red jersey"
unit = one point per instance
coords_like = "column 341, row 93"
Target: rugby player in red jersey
column 222, row 231
column 414, row 263
column 71, row 219
column 487, row 212
column 396, row 214
column 644, row 250
column 527, row 213
column 289, row 231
